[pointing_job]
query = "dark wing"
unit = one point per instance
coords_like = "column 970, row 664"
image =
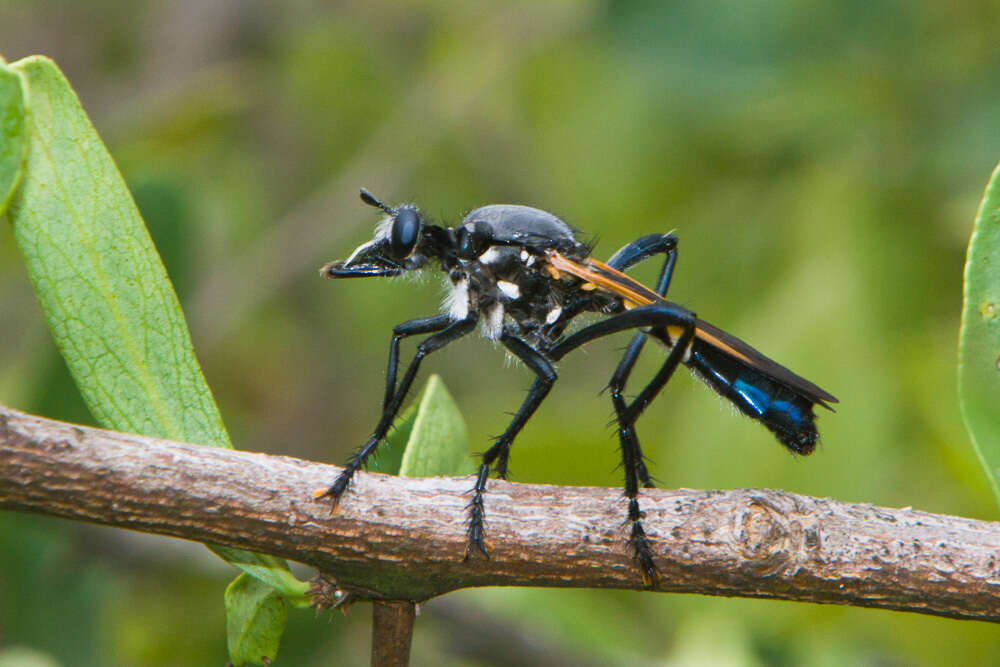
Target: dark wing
column 635, row 293
column 720, row 339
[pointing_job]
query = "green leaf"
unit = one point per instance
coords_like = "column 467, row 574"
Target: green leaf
column 255, row 619
column 22, row 656
column 979, row 340
column 101, row 284
column 271, row 570
column 13, row 132
column 439, row 442
column 105, row 293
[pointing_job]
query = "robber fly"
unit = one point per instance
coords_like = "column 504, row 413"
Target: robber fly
column 524, row 276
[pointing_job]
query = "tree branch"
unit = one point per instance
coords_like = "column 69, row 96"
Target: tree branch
column 403, row 539
column 392, row 632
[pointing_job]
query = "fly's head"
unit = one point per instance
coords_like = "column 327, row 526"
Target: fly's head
column 403, row 242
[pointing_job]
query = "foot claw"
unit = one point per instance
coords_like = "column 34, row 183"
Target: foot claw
column 650, row 579
column 644, row 556
column 335, row 492
column 474, row 546
column 320, row 494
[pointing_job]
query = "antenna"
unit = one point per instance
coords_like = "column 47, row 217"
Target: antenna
column 371, row 200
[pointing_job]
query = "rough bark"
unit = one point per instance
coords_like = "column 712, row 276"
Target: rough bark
column 404, row 539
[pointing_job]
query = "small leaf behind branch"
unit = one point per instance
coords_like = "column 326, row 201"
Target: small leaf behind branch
column 979, row 340
column 439, row 441
column 255, row 615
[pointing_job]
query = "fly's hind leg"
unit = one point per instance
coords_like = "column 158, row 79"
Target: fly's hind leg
column 659, row 315
column 632, row 459
column 638, row 251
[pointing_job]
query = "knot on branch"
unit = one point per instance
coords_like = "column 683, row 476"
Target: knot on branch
column 772, row 538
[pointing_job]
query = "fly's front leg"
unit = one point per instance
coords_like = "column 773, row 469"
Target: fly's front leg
column 400, row 331
column 500, row 451
column 447, row 333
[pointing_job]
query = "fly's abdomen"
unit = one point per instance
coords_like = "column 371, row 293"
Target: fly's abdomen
column 785, row 412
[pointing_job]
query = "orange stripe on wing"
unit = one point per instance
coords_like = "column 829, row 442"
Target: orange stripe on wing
column 603, row 276
column 633, row 292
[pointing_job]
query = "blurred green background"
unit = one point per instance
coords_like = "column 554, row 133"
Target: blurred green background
column 820, row 162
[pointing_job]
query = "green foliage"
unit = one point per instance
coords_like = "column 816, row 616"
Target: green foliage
column 16, row 656
column 429, row 438
column 267, row 569
column 979, row 343
column 106, row 296
column 255, row 618
column 104, row 291
column 439, row 440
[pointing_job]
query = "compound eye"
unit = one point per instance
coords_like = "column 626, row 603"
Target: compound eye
column 405, row 233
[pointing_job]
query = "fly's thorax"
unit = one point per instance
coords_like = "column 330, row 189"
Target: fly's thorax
column 507, row 285
column 513, row 223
